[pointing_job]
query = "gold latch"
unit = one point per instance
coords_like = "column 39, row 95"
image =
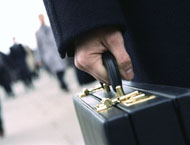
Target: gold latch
column 106, row 88
column 86, row 92
column 105, row 104
column 128, row 99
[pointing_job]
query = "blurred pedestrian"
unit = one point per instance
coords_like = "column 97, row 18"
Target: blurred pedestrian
column 1, row 123
column 18, row 57
column 5, row 78
column 30, row 61
column 48, row 54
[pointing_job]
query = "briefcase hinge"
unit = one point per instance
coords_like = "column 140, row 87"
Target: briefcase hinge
column 132, row 98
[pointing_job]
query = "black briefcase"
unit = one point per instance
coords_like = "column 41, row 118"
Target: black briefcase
column 133, row 113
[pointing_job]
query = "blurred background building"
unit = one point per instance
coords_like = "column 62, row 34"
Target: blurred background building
column 35, row 108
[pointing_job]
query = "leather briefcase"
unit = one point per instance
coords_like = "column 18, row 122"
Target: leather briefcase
column 133, row 113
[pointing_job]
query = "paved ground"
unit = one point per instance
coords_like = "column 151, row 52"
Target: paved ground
column 42, row 116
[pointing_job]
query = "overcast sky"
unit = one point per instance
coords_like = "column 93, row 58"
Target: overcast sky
column 19, row 18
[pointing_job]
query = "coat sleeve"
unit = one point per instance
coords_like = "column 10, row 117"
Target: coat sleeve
column 72, row 18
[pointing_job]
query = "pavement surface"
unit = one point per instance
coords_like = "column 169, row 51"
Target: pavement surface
column 43, row 115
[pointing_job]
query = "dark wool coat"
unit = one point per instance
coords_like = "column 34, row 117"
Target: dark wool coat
column 1, row 121
column 156, row 32
column 18, row 57
column 5, row 64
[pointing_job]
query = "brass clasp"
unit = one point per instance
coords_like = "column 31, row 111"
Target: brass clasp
column 128, row 99
column 105, row 103
column 86, row 92
column 138, row 99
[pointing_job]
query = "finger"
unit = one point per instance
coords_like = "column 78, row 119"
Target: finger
column 100, row 73
column 115, row 43
column 95, row 74
column 91, row 62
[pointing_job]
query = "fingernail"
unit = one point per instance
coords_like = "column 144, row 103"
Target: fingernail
column 129, row 71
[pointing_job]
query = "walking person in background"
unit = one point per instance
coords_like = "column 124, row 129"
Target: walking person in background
column 18, row 57
column 5, row 77
column 1, row 123
column 30, row 61
column 48, row 54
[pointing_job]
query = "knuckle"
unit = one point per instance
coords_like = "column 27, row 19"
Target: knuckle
column 114, row 38
column 124, row 61
column 77, row 63
column 82, row 61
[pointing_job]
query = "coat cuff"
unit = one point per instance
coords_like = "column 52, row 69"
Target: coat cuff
column 70, row 19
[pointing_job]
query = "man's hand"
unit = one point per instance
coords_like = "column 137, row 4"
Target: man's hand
column 89, row 50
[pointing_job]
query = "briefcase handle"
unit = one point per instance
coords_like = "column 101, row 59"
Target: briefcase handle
column 112, row 69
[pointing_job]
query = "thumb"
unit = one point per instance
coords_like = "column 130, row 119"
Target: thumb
column 115, row 44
